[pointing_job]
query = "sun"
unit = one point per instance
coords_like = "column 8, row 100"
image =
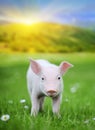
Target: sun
column 28, row 22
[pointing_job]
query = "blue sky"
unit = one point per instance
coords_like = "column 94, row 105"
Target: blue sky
column 75, row 12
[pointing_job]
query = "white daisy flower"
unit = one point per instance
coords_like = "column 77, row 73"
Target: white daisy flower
column 26, row 107
column 5, row 117
column 22, row 101
column 74, row 88
column 93, row 118
column 86, row 121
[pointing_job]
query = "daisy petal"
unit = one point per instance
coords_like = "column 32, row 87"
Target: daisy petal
column 26, row 107
column 22, row 101
column 5, row 117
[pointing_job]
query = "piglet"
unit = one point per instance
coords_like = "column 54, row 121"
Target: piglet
column 45, row 79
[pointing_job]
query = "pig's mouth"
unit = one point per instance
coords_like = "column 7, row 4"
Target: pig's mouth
column 53, row 96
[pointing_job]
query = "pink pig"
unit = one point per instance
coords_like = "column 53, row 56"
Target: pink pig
column 45, row 79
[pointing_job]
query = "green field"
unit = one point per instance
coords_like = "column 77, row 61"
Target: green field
column 78, row 103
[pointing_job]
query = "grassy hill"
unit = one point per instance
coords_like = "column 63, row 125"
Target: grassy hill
column 45, row 37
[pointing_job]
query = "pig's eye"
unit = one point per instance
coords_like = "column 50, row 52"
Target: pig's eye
column 59, row 78
column 43, row 78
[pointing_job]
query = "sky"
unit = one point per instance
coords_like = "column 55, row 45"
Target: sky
column 76, row 12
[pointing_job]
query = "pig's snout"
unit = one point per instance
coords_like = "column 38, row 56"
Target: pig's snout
column 51, row 93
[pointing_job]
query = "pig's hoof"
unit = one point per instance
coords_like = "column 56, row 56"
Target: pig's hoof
column 34, row 114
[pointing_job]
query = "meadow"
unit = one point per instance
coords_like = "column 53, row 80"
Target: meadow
column 78, row 102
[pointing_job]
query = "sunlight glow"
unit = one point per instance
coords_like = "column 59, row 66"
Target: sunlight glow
column 25, row 21
column 28, row 22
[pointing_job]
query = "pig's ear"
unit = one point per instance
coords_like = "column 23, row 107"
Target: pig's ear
column 35, row 67
column 64, row 66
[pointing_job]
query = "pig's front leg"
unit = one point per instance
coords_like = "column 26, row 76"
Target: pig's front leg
column 56, row 105
column 35, row 105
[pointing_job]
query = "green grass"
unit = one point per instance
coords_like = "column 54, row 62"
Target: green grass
column 76, row 107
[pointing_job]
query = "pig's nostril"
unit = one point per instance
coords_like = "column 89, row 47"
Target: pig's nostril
column 51, row 91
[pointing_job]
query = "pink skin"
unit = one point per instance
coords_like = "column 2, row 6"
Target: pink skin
column 45, row 79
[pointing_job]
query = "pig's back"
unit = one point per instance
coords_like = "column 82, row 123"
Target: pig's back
column 43, row 62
